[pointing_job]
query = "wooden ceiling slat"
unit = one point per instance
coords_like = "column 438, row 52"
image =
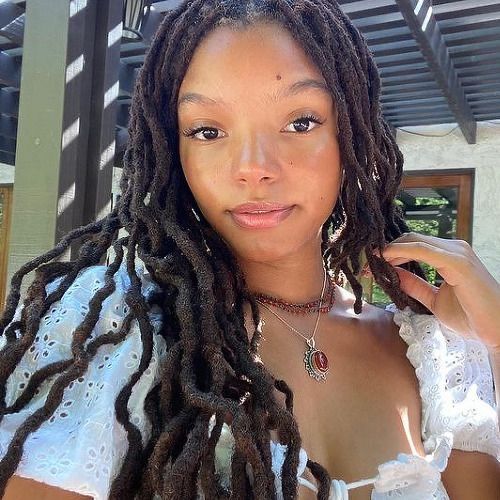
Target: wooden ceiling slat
column 415, row 106
column 9, row 103
column 470, row 21
column 413, row 112
column 408, row 87
column 8, row 127
column 10, row 71
column 474, row 37
column 426, row 31
column 492, row 47
column 404, row 69
column 466, row 8
column 9, row 12
column 14, row 31
column 484, row 96
column 7, row 145
column 429, row 101
column 471, row 26
column 369, row 8
column 7, row 158
column 407, row 78
column 437, row 120
column 416, row 94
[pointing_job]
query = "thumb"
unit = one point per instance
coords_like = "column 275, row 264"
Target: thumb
column 416, row 287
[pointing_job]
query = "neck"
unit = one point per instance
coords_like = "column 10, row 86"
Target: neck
column 293, row 279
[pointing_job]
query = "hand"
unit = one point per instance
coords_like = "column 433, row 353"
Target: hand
column 467, row 302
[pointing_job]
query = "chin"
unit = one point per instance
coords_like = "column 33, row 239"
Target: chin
column 262, row 252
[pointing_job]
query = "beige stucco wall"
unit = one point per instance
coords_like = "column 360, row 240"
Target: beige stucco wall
column 453, row 151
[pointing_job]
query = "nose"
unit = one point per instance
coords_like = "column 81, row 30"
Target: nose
column 255, row 160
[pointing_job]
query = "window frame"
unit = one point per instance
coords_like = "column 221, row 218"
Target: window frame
column 463, row 179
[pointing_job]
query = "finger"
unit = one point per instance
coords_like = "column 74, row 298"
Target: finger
column 420, row 251
column 446, row 243
column 417, row 288
column 398, row 261
column 393, row 262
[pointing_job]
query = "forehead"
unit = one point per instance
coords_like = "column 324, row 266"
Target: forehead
column 247, row 61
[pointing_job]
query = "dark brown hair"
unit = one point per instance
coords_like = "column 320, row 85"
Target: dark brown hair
column 210, row 365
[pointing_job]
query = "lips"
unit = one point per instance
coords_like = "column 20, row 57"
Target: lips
column 260, row 215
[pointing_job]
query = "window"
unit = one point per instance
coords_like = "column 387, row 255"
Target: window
column 434, row 203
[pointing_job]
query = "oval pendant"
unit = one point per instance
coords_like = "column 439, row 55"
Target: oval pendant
column 316, row 363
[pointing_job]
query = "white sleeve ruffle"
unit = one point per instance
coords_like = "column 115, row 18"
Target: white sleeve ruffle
column 456, row 384
column 81, row 446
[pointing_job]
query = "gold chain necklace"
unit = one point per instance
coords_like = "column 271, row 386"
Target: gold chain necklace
column 315, row 361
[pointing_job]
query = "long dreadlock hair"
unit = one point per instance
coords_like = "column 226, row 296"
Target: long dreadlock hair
column 210, row 367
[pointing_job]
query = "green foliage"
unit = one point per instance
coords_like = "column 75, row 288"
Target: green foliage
column 420, row 200
column 429, row 227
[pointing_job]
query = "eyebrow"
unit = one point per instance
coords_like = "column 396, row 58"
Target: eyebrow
column 294, row 89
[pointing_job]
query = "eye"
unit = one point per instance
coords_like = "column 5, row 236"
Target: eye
column 302, row 124
column 205, row 134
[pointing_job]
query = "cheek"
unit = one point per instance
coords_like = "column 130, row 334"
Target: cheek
column 191, row 171
column 204, row 189
column 324, row 161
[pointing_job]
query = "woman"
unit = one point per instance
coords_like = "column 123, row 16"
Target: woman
column 259, row 168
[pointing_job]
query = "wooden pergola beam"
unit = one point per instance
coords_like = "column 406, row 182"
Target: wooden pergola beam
column 425, row 29
column 107, row 18
column 67, row 116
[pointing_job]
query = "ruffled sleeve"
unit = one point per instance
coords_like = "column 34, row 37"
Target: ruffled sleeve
column 456, row 385
column 81, row 446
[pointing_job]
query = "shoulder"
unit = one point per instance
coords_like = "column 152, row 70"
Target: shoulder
column 90, row 279
column 76, row 299
column 374, row 325
column 374, row 338
column 82, row 444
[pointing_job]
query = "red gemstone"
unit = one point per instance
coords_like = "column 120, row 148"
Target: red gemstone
column 320, row 361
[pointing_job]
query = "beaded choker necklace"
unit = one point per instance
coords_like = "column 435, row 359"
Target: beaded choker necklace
column 321, row 305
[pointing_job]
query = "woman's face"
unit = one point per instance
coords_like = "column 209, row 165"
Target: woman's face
column 250, row 133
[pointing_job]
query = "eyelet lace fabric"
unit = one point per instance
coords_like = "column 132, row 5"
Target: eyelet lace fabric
column 456, row 384
column 81, row 447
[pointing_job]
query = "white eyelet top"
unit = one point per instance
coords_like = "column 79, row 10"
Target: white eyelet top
column 81, row 447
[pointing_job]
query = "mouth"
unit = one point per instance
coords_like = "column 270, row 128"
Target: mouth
column 261, row 215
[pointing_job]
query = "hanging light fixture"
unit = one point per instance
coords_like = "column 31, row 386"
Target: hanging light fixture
column 134, row 13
